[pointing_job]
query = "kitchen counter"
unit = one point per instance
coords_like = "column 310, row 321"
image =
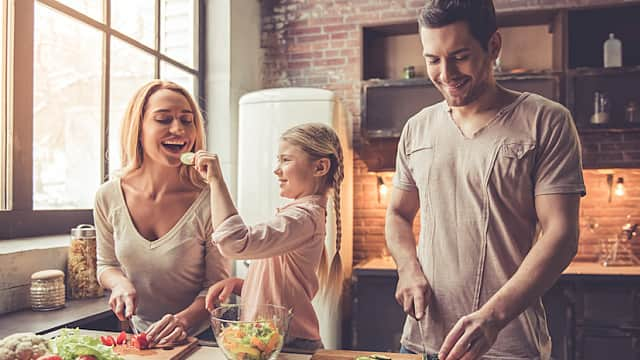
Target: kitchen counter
column 575, row 268
column 75, row 313
column 214, row 353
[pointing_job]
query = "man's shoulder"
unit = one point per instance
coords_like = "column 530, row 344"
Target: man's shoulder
column 540, row 104
column 426, row 115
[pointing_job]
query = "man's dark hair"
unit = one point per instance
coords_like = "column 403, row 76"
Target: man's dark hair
column 480, row 15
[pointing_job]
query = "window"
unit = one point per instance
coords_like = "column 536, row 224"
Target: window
column 66, row 88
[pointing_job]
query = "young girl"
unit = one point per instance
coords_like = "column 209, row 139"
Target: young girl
column 289, row 248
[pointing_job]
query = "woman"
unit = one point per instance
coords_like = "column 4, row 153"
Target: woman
column 154, row 221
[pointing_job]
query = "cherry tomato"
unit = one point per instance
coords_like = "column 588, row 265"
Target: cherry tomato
column 86, row 357
column 140, row 341
column 49, row 357
column 107, row 340
column 122, row 338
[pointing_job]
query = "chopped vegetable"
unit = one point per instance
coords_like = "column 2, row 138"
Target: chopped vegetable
column 23, row 346
column 140, row 341
column 250, row 341
column 70, row 345
column 122, row 338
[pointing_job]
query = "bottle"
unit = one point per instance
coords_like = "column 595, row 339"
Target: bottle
column 612, row 52
column 601, row 108
column 632, row 115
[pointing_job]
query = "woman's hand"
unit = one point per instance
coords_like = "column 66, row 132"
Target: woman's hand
column 471, row 337
column 168, row 330
column 123, row 300
column 208, row 165
column 220, row 291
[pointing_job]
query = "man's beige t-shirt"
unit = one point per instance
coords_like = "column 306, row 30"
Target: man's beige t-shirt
column 478, row 213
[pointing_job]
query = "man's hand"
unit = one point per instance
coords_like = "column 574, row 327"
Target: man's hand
column 471, row 337
column 413, row 292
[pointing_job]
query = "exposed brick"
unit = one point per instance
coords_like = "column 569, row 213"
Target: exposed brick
column 311, row 38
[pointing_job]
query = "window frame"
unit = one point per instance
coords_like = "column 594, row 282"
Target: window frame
column 21, row 220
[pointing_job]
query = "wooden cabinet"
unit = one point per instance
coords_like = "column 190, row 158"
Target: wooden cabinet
column 377, row 319
column 589, row 316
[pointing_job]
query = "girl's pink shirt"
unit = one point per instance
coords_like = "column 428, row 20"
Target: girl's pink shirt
column 286, row 251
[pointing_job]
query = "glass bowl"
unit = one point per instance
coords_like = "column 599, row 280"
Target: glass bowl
column 255, row 332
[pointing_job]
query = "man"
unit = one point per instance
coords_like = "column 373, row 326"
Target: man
column 497, row 177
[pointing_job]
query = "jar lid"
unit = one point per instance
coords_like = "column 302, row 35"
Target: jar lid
column 47, row 275
column 84, row 230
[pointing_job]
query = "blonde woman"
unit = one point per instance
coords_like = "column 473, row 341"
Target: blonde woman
column 289, row 248
column 153, row 220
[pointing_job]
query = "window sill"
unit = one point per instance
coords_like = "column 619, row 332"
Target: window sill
column 33, row 243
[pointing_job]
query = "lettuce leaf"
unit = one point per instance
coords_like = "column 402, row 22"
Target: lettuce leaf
column 70, row 344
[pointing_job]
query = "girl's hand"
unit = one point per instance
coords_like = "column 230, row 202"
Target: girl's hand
column 220, row 291
column 168, row 330
column 123, row 300
column 208, row 165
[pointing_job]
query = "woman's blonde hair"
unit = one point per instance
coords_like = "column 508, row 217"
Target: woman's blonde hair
column 131, row 151
column 321, row 141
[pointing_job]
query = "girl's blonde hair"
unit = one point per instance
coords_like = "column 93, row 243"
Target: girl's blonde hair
column 321, row 141
column 131, row 151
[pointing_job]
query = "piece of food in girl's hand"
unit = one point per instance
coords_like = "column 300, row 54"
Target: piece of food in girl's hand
column 187, row 158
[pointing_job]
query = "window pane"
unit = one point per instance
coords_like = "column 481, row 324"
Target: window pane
column 91, row 8
column 3, row 119
column 178, row 76
column 178, row 30
column 130, row 69
column 67, row 111
column 135, row 19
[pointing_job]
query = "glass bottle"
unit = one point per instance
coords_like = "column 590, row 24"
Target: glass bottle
column 81, row 264
column 612, row 52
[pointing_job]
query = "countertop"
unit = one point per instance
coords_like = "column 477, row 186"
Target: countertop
column 575, row 268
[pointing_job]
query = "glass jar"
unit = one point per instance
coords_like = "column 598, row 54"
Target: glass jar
column 601, row 108
column 81, row 264
column 47, row 290
column 409, row 72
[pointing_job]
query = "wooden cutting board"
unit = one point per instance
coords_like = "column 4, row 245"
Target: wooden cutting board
column 351, row 355
column 178, row 352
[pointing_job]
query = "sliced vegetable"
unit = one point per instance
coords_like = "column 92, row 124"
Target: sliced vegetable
column 49, row 357
column 122, row 338
column 140, row 341
column 107, row 340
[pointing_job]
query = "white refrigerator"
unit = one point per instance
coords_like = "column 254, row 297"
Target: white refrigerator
column 263, row 116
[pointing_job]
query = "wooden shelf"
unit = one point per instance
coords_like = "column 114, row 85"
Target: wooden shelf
column 613, row 128
column 588, row 71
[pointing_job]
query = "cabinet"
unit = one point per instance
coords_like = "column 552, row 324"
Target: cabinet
column 561, row 59
column 589, row 316
column 377, row 318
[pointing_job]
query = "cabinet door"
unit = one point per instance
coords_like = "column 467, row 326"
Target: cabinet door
column 559, row 304
column 377, row 318
column 606, row 343
column 609, row 305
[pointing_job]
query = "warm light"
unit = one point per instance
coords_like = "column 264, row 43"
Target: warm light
column 619, row 187
column 382, row 187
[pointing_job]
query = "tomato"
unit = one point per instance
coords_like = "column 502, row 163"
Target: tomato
column 107, row 340
column 86, row 357
column 140, row 341
column 122, row 338
column 49, row 357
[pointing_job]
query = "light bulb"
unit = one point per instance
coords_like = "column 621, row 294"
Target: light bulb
column 619, row 187
column 383, row 190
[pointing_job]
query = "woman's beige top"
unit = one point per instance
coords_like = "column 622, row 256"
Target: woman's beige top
column 168, row 273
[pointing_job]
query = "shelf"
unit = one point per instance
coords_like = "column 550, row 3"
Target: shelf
column 589, row 71
column 423, row 81
column 593, row 129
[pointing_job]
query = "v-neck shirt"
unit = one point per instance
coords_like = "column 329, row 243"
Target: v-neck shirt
column 477, row 211
column 168, row 273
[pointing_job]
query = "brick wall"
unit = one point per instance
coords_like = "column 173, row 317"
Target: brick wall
column 317, row 43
